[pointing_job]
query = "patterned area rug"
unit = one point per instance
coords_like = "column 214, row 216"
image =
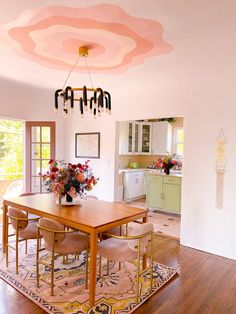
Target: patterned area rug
column 114, row 293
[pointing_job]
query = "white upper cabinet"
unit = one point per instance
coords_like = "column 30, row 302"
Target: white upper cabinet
column 129, row 138
column 135, row 138
column 145, row 137
column 161, row 138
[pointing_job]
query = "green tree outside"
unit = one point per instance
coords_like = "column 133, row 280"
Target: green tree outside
column 11, row 149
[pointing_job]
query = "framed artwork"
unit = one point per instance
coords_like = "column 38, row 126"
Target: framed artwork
column 87, row 145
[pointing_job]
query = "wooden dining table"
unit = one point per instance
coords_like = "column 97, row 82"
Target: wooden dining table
column 90, row 215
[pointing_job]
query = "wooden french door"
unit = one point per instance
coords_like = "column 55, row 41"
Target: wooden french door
column 40, row 148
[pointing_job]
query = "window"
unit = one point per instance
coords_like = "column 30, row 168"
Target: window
column 179, row 141
column 40, row 148
column 11, row 158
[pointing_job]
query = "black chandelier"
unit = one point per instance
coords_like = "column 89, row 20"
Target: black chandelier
column 94, row 99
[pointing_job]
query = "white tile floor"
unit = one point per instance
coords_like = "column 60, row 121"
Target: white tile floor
column 164, row 223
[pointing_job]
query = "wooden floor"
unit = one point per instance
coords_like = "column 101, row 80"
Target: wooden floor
column 206, row 285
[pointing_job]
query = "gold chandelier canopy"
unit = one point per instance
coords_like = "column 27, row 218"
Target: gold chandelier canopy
column 95, row 99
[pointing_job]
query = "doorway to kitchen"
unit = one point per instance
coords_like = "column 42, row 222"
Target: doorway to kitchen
column 149, row 170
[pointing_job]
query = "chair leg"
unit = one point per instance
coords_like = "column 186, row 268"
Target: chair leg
column 17, row 251
column 108, row 267
column 52, row 274
column 37, row 259
column 152, row 253
column 7, row 242
column 87, row 253
column 26, row 246
column 138, row 273
column 100, row 267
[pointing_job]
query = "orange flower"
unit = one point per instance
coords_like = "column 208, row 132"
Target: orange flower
column 80, row 177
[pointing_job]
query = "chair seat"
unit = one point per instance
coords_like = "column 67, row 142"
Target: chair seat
column 73, row 243
column 118, row 250
column 30, row 232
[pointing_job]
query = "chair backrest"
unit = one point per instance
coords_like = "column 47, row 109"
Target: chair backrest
column 139, row 231
column 52, row 227
column 16, row 213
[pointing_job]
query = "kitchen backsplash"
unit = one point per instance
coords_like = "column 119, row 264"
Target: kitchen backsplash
column 143, row 160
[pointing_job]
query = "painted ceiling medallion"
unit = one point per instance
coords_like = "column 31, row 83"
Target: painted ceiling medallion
column 51, row 35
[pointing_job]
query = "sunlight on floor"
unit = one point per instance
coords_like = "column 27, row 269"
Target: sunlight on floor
column 164, row 223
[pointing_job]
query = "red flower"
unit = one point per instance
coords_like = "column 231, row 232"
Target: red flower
column 54, row 169
column 50, row 161
column 74, row 166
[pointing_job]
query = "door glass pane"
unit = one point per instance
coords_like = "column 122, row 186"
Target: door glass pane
column 35, row 184
column 35, row 169
column 44, row 188
column 35, row 151
column 45, row 151
column 45, row 134
column 35, row 133
column 45, row 166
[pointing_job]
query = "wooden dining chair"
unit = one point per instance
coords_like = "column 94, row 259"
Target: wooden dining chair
column 59, row 242
column 130, row 248
column 29, row 215
column 24, row 229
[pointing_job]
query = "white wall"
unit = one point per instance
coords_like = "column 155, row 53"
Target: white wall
column 197, row 81
column 26, row 102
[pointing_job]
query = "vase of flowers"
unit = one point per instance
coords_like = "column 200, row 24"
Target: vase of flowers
column 167, row 163
column 69, row 180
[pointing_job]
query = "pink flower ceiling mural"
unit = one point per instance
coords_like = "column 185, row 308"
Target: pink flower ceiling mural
column 51, row 36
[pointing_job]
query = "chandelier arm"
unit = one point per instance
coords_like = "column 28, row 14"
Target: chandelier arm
column 85, row 96
column 81, row 105
column 57, row 92
column 108, row 97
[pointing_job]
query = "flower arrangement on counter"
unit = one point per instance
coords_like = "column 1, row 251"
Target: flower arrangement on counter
column 69, row 179
column 167, row 163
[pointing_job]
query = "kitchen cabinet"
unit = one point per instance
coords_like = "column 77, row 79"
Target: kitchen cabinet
column 134, row 138
column 145, row 137
column 172, row 193
column 161, row 138
column 133, row 185
column 128, row 138
column 163, row 192
column 154, row 191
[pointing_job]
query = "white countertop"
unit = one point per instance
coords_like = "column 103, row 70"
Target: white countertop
column 152, row 171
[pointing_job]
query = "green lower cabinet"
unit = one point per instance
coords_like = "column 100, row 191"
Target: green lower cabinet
column 164, row 192
column 171, row 197
column 154, row 192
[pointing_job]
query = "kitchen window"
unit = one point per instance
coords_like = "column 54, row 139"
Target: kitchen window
column 179, row 141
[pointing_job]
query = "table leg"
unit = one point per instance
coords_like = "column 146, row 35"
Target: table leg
column 93, row 262
column 4, row 228
column 145, row 218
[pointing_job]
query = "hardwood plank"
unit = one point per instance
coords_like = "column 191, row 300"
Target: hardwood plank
column 206, row 285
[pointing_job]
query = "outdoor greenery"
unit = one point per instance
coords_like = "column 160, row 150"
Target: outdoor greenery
column 11, row 149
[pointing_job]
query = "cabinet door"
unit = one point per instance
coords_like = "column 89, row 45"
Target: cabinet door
column 130, row 137
column 135, row 137
column 154, row 191
column 161, row 138
column 145, row 142
column 171, row 197
column 125, row 138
